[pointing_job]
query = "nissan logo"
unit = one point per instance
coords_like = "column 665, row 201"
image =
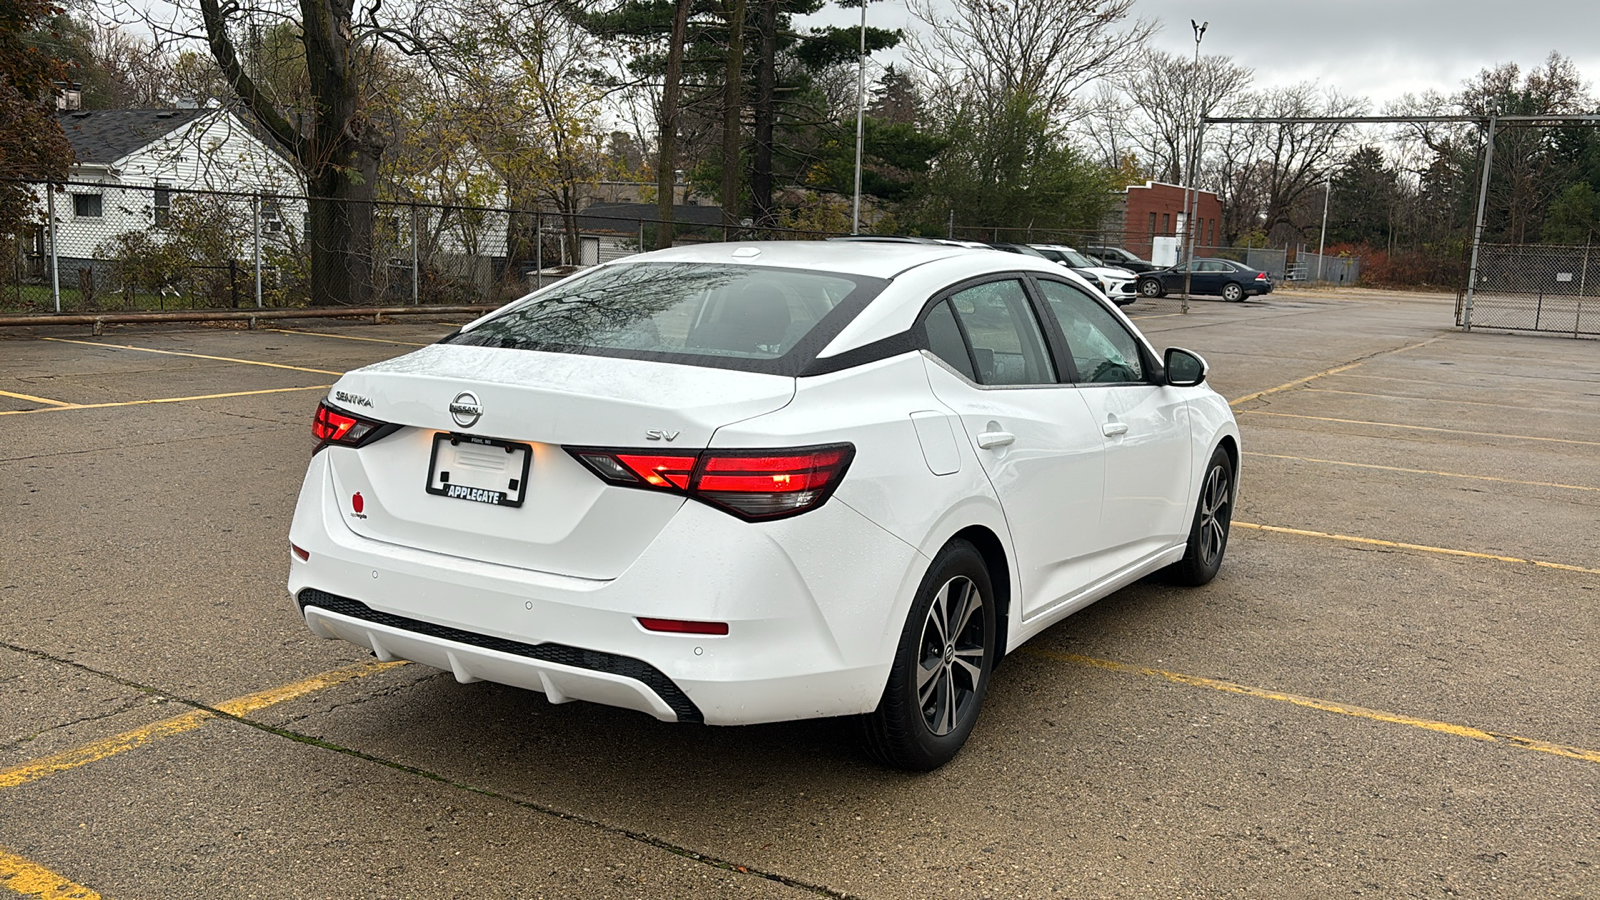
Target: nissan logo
column 465, row 409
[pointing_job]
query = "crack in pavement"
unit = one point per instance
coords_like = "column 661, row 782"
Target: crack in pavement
column 379, row 694
column 600, row 825
column 128, row 705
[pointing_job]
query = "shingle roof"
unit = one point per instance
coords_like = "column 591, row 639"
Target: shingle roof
column 107, row 135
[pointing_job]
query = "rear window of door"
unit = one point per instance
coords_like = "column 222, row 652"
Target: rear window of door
column 999, row 330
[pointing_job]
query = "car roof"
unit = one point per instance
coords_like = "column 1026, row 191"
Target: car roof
column 874, row 258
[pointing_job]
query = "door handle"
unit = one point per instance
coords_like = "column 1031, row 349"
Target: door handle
column 988, row 440
column 1112, row 429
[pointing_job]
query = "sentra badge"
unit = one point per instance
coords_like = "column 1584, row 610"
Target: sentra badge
column 466, row 409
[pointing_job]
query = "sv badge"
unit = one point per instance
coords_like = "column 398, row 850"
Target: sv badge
column 656, row 434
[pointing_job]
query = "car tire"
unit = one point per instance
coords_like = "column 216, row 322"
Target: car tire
column 1208, row 535
column 1151, row 287
column 1232, row 292
column 938, row 681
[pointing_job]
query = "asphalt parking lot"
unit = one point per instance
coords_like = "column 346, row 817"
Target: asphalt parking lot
column 1391, row 690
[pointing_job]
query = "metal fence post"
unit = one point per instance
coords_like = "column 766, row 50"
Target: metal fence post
column 538, row 250
column 1477, row 229
column 1583, row 279
column 50, row 224
column 255, row 203
column 416, row 272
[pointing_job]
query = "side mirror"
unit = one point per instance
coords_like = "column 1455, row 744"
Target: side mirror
column 1184, row 369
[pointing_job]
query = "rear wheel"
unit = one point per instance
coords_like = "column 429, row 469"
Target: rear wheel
column 1150, row 287
column 1208, row 536
column 1232, row 292
column 941, row 668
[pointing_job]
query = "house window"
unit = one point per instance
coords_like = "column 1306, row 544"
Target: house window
column 91, row 205
column 271, row 217
column 163, row 205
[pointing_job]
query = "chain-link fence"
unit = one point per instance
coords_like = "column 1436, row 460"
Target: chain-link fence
column 1529, row 287
column 106, row 247
column 1324, row 269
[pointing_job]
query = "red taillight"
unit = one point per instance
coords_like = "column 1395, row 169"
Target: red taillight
column 659, row 470
column 680, row 626
column 751, row 484
column 1261, row 276
column 333, row 426
column 770, row 483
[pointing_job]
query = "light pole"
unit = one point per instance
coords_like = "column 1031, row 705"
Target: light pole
column 1322, row 242
column 861, row 121
column 1191, row 208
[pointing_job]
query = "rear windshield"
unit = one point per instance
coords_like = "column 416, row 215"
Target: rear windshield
column 740, row 317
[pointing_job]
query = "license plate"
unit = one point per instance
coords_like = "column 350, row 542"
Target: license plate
column 479, row 469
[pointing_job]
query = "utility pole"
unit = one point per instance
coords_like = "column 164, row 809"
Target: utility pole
column 861, row 121
column 1192, row 208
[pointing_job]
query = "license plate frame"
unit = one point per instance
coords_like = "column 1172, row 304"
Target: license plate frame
column 464, row 480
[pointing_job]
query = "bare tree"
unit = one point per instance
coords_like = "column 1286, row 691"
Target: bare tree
column 1106, row 124
column 732, row 110
column 667, row 142
column 1172, row 94
column 1048, row 49
column 333, row 139
column 1266, row 171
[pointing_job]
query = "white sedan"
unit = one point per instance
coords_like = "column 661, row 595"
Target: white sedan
column 742, row 483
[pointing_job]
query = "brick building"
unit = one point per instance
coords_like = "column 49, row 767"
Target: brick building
column 1155, row 209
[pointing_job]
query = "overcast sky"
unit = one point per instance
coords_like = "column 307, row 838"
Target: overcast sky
column 1379, row 49
column 1382, row 48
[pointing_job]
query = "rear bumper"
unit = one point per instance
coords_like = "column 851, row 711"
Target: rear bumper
column 806, row 638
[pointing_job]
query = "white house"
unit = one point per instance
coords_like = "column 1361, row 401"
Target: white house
column 132, row 163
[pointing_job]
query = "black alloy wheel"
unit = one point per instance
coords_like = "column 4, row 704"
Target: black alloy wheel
column 941, row 668
column 1208, row 535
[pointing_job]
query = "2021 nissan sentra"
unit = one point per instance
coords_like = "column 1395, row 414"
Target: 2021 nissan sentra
column 742, row 483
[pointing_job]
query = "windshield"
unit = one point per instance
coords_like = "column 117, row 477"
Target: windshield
column 702, row 313
column 1078, row 260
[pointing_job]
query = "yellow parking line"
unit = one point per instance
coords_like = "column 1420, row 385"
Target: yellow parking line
column 73, row 406
column 1335, row 462
column 1325, row 373
column 138, row 737
column 1296, row 383
column 346, row 337
column 227, row 359
column 1328, row 706
column 1424, row 548
column 29, row 879
column 1452, row 402
column 32, row 399
column 1496, row 434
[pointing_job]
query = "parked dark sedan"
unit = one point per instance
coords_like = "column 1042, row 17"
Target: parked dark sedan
column 1122, row 259
column 1234, row 281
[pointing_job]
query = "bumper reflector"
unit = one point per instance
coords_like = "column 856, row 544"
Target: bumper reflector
column 679, row 626
column 304, row 554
